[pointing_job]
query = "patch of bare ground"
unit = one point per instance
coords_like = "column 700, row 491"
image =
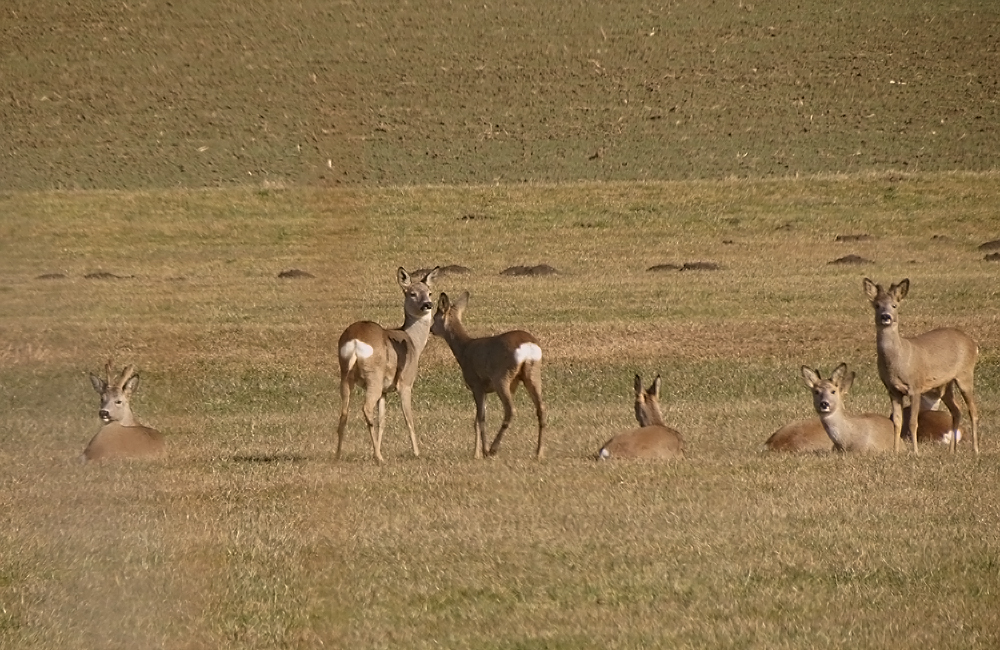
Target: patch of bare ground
column 536, row 270
column 851, row 259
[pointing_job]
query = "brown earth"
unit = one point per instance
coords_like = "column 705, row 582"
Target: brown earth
column 164, row 94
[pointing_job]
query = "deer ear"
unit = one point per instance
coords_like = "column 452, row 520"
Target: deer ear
column 443, row 303
column 654, row 388
column 131, row 384
column 871, row 289
column 638, row 385
column 402, row 277
column 462, row 301
column 899, row 291
column 847, row 382
column 431, row 275
column 98, row 383
column 810, row 377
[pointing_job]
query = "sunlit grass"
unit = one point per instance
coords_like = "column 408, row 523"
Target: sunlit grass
column 249, row 535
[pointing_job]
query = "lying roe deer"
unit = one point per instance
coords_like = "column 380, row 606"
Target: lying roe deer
column 493, row 364
column 862, row 433
column 382, row 361
column 121, row 436
column 911, row 366
column 652, row 439
column 805, row 436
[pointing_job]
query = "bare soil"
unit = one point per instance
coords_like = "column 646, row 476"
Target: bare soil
column 152, row 95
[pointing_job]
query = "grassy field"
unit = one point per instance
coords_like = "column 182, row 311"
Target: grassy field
column 249, row 535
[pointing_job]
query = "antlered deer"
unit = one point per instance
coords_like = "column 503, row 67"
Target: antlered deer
column 911, row 366
column 652, row 439
column 382, row 361
column 493, row 364
column 121, row 436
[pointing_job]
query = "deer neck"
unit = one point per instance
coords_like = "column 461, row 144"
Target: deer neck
column 127, row 419
column 837, row 427
column 418, row 328
column 456, row 337
column 893, row 352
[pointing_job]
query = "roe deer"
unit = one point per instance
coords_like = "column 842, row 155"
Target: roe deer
column 493, row 364
column 868, row 432
column 121, row 436
column 652, row 439
column 911, row 366
column 804, row 436
column 384, row 360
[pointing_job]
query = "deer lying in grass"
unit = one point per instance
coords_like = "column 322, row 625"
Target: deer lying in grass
column 805, row 436
column 911, row 366
column 121, row 436
column 860, row 433
column 493, row 364
column 652, row 439
column 382, row 361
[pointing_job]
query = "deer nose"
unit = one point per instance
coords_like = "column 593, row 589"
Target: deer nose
column 886, row 319
column 427, row 306
column 104, row 415
column 824, row 406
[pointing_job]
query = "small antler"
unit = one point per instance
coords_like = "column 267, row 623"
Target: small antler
column 110, row 371
column 127, row 373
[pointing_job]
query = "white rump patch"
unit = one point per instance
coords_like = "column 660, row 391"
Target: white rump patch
column 527, row 352
column 946, row 438
column 356, row 347
column 604, row 455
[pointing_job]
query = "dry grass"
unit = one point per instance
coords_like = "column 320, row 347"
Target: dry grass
column 250, row 536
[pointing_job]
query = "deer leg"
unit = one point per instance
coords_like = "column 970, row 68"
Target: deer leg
column 914, row 417
column 407, row 406
column 346, row 385
column 948, row 397
column 480, row 426
column 968, row 394
column 897, row 418
column 533, row 384
column 372, row 400
column 504, row 393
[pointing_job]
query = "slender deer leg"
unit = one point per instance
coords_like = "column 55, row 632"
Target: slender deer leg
column 405, row 400
column 897, row 419
column 506, row 399
column 346, row 386
column 914, row 417
column 532, row 382
column 480, row 397
column 968, row 394
column 372, row 401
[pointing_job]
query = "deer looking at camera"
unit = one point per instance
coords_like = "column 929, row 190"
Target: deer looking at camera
column 653, row 439
column 121, row 436
column 382, row 361
column 493, row 364
column 853, row 433
column 911, row 366
column 808, row 436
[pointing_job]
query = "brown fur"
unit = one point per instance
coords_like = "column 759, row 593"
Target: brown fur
column 122, row 436
column 489, row 365
column 392, row 365
column 652, row 439
column 943, row 358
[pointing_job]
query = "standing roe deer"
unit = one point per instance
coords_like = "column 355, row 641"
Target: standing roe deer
column 911, row 366
column 384, row 360
column 652, row 439
column 493, row 364
column 121, row 436
column 868, row 432
column 804, row 436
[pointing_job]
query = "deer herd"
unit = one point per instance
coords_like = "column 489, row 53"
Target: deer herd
column 918, row 372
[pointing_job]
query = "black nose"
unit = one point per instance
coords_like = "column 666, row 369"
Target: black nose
column 104, row 415
column 825, row 406
column 886, row 319
column 428, row 306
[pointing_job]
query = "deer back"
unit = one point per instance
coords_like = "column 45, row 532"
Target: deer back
column 115, row 441
column 800, row 436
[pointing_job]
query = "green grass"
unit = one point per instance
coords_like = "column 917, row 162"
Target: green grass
column 249, row 535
